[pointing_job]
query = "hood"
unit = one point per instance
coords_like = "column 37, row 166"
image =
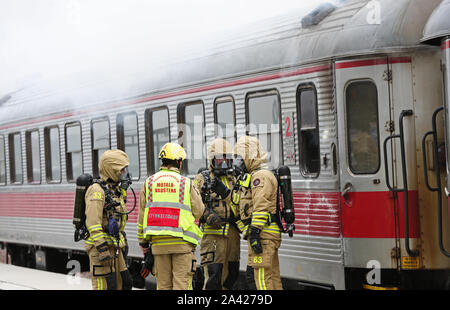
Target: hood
column 218, row 147
column 251, row 152
column 111, row 162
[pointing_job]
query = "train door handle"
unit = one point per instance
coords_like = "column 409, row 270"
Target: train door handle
column 438, row 188
column 347, row 188
column 401, row 136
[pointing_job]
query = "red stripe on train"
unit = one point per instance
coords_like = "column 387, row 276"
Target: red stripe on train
column 372, row 215
column 372, row 62
column 47, row 205
column 369, row 214
column 445, row 45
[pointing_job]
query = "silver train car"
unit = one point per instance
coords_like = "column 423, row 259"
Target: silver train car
column 344, row 96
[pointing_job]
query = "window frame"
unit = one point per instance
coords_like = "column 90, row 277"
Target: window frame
column 12, row 155
column 95, row 169
column 347, row 149
column 47, row 154
column 148, row 120
column 300, row 88
column 224, row 99
column 265, row 93
column 2, row 138
column 29, row 154
column 69, row 158
column 121, row 138
column 181, row 118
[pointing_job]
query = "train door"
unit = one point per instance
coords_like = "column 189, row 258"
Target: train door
column 369, row 209
column 446, row 86
column 443, row 225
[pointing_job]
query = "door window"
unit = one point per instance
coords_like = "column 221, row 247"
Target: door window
column 362, row 127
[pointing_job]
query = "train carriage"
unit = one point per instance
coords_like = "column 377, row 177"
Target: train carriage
column 343, row 96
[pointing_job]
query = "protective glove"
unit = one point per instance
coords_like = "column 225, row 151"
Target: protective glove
column 144, row 247
column 255, row 241
column 219, row 188
column 147, row 264
column 103, row 252
column 212, row 219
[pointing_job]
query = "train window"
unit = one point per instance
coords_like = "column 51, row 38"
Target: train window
column 127, row 140
column 2, row 161
column 158, row 134
column 263, row 121
column 74, row 155
column 33, row 156
column 100, row 135
column 52, row 154
column 15, row 157
column 193, row 135
column 362, row 127
column 225, row 120
column 308, row 125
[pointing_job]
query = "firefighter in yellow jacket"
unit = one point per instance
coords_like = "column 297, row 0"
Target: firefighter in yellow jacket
column 169, row 206
column 105, row 220
column 220, row 248
column 258, row 212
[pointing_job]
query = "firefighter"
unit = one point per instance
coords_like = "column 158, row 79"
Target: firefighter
column 169, row 206
column 258, row 213
column 107, row 244
column 220, row 248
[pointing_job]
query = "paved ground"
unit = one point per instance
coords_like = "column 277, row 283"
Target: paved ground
column 21, row 278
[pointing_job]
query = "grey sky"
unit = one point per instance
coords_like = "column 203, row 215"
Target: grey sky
column 39, row 38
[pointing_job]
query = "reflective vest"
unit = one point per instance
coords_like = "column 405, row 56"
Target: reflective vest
column 168, row 209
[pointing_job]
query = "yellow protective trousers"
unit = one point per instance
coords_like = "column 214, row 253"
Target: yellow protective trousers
column 175, row 271
column 220, row 259
column 109, row 275
column 266, row 266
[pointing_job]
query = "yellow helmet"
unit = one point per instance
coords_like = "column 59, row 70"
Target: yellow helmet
column 172, row 151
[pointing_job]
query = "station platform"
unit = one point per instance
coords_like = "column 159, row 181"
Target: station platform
column 21, row 278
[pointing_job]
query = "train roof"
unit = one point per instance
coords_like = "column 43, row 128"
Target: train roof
column 438, row 25
column 354, row 27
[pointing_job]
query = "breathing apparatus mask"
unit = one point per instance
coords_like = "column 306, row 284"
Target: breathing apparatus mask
column 123, row 185
column 240, row 171
column 239, row 168
column 125, row 178
column 222, row 165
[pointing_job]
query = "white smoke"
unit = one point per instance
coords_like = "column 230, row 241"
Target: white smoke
column 42, row 38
